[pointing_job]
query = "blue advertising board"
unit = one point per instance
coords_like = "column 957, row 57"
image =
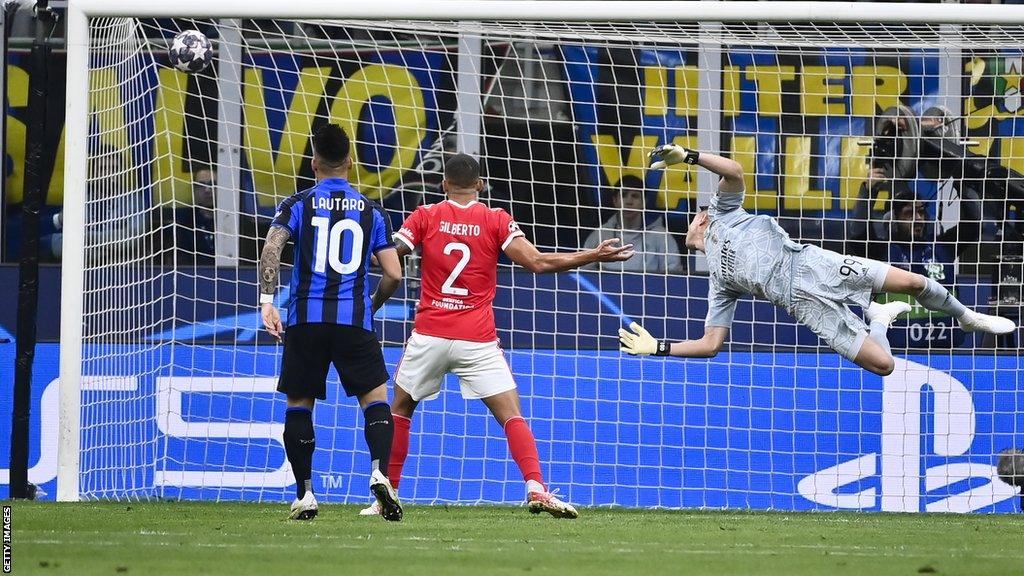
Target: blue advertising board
column 790, row 431
column 564, row 311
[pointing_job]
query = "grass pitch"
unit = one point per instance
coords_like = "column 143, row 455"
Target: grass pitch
column 255, row 539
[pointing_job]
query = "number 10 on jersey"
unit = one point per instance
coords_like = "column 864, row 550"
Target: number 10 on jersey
column 328, row 245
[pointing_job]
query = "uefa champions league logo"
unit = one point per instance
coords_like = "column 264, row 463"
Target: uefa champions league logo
column 900, row 460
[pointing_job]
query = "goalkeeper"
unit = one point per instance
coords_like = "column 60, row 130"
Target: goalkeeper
column 752, row 254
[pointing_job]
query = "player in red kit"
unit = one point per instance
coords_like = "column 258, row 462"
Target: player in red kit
column 461, row 240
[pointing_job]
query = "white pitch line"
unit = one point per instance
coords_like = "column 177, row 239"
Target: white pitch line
column 744, row 549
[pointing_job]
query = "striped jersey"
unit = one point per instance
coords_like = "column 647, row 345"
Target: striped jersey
column 335, row 230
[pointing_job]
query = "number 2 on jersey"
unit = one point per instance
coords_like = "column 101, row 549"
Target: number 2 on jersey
column 447, row 287
column 328, row 245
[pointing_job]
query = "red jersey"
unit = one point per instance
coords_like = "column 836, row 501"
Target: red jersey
column 458, row 270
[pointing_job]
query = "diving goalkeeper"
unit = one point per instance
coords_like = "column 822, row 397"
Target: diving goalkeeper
column 752, row 254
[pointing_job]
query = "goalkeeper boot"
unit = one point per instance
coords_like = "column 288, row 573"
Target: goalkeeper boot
column 371, row 510
column 972, row 321
column 304, row 508
column 547, row 502
column 886, row 313
column 386, row 497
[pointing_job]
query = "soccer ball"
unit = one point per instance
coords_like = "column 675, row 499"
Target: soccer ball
column 1011, row 467
column 191, row 51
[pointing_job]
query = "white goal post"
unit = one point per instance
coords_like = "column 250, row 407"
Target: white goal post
column 942, row 32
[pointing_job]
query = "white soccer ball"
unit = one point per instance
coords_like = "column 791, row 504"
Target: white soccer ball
column 191, row 51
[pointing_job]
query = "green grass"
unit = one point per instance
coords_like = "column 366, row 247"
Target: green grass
column 255, row 540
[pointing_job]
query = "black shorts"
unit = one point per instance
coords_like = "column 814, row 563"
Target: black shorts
column 310, row 349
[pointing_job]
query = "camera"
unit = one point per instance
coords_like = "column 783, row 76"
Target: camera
column 894, row 143
column 902, row 144
column 998, row 185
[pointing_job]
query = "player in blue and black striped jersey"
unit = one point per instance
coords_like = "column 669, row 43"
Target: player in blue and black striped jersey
column 336, row 230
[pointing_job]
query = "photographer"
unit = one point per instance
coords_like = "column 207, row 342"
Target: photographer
column 958, row 200
column 923, row 157
column 977, row 200
column 893, row 167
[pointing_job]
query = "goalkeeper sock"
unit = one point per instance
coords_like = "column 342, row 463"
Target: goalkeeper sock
column 299, row 444
column 876, row 332
column 937, row 299
column 379, row 430
column 523, row 448
column 399, row 449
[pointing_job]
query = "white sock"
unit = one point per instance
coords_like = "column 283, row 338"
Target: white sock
column 937, row 299
column 877, row 333
column 534, row 486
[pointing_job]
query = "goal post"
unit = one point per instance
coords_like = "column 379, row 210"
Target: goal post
column 73, row 256
column 167, row 388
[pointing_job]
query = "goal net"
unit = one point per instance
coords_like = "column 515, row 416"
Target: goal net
column 892, row 141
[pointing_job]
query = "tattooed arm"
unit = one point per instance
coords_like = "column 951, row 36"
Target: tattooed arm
column 270, row 268
column 270, row 258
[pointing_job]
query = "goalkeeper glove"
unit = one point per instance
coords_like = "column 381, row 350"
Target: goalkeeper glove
column 639, row 342
column 669, row 154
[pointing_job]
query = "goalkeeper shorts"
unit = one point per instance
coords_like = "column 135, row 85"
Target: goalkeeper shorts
column 825, row 285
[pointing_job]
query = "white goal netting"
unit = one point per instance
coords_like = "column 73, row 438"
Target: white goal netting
column 896, row 142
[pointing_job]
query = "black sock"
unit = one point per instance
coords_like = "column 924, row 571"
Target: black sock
column 299, row 444
column 379, row 429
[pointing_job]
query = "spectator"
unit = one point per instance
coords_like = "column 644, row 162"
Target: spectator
column 912, row 241
column 115, row 213
column 913, row 245
column 194, row 226
column 656, row 251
